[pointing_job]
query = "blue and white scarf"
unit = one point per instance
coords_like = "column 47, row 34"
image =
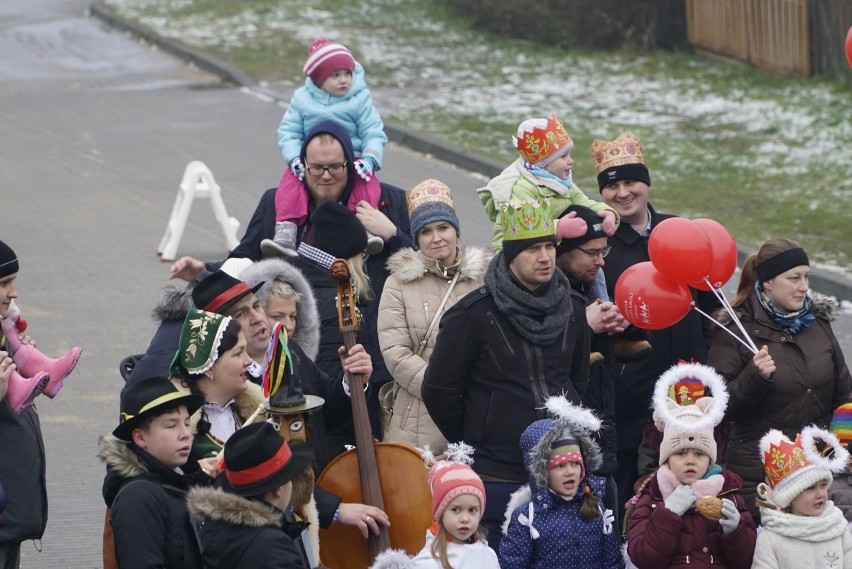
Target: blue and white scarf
column 790, row 322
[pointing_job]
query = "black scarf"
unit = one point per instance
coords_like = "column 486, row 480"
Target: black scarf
column 538, row 317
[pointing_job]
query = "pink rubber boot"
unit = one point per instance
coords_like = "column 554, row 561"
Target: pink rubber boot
column 22, row 391
column 30, row 361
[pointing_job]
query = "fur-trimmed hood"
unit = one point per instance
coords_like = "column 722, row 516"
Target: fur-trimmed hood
column 409, row 265
column 537, row 440
column 175, row 301
column 216, row 504
column 823, row 306
column 308, row 322
column 118, row 456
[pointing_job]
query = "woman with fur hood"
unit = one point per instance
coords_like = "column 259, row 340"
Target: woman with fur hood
column 799, row 375
column 558, row 519
column 421, row 286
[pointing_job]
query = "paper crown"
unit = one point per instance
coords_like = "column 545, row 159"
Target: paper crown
column 626, row 149
column 426, row 192
column 841, row 424
column 539, row 139
column 791, row 467
column 527, row 220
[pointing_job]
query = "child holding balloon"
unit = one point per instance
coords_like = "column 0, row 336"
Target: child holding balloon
column 797, row 377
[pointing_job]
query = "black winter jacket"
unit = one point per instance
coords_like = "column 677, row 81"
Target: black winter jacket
column 239, row 533
column 687, row 340
column 485, row 383
column 148, row 509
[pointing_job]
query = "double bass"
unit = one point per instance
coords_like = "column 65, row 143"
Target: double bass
column 389, row 476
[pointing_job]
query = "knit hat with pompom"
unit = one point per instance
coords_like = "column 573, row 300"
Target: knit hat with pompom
column 326, row 57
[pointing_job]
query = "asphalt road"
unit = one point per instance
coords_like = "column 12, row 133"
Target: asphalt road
column 95, row 131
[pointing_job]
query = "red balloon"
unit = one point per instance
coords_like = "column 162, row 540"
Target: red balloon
column 649, row 299
column 680, row 250
column 849, row 47
column 723, row 253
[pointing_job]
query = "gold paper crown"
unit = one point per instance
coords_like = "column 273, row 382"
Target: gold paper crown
column 784, row 458
column 536, row 144
column 527, row 220
column 626, row 149
column 430, row 190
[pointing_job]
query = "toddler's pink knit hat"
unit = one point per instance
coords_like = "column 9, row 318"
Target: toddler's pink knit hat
column 326, row 57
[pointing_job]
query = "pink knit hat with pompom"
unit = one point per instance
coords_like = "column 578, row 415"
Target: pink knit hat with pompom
column 450, row 480
column 326, row 57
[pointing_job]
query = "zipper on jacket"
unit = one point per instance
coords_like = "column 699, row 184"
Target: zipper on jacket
column 426, row 310
column 535, row 365
column 496, row 325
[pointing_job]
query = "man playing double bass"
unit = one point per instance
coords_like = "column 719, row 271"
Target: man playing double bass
column 502, row 350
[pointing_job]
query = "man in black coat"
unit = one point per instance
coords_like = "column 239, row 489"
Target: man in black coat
column 624, row 182
column 328, row 145
column 502, row 350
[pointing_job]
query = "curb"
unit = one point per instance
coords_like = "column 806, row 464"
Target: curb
column 825, row 282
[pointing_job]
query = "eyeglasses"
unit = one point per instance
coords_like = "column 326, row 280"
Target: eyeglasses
column 594, row 253
column 334, row 169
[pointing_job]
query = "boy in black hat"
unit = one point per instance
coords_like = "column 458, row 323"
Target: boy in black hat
column 148, row 476
column 246, row 523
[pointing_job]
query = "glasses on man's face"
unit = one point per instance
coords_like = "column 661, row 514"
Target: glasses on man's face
column 334, row 169
column 595, row 252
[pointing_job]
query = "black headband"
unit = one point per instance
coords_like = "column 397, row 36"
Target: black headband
column 774, row 266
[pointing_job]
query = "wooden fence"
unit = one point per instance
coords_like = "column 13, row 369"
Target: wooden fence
column 772, row 34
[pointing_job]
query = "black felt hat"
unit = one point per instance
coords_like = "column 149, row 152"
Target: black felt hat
column 146, row 396
column 337, row 231
column 258, row 460
column 219, row 291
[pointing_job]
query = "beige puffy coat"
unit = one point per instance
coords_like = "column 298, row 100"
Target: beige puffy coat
column 411, row 296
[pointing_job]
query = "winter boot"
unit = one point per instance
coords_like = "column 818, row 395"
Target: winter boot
column 22, row 391
column 30, row 361
column 283, row 244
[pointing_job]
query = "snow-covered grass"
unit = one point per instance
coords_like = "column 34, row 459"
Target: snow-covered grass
column 767, row 156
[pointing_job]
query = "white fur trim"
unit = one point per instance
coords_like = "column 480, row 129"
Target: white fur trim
column 518, row 498
column 708, row 376
column 575, row 416
column 810, row 435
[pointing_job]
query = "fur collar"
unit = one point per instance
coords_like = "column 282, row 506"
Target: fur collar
column 117, row 455
column 175, row 302
column 308, row 329
column 216, row 504
column 409, row 265
column 824, row 306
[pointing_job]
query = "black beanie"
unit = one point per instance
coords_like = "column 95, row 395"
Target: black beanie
column 337, row 231
column 8, row 261
column 637, row 172
column 594, row 228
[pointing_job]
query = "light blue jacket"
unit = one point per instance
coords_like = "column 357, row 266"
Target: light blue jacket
column 354, row 111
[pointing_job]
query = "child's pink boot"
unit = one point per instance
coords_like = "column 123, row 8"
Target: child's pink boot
column 30, row 361
column 22, row 391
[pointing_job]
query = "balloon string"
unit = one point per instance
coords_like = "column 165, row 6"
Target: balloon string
column 720, row 325
column 730, row 310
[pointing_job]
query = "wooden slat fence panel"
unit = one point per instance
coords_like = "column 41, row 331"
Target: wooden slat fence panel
column 772, row 34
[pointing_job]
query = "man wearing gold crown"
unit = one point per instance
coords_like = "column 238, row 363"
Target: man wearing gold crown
column 503, row 349
column 624, row 182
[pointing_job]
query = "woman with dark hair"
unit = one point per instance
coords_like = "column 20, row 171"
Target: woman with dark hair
column 798, row 375
column 211, row 361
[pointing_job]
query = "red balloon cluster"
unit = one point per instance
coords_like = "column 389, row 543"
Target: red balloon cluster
column 684, row 253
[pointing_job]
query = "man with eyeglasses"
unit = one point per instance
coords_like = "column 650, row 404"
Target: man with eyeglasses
column 581, row 258
column 330, row 175
column 624, row 182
